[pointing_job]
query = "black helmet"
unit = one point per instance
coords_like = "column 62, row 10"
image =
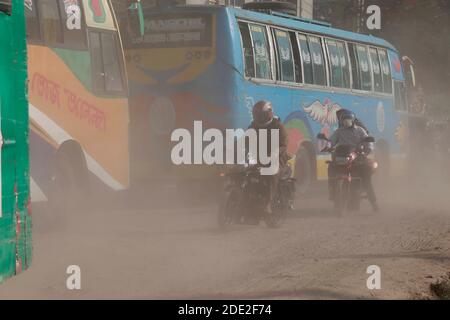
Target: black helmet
column 347, row 117
column 262, row 113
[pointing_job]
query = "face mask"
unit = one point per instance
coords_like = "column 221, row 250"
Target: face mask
column 348, row 123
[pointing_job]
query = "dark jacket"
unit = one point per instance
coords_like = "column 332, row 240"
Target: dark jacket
column 283, row 138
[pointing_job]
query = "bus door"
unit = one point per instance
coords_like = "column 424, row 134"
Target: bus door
column 15, row 222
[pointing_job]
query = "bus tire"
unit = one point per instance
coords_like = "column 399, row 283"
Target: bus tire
column 304, row 170
column 70, row 188
column 383, row 160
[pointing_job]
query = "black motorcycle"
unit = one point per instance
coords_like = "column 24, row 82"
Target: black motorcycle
column 350, row 163
column 243, row 195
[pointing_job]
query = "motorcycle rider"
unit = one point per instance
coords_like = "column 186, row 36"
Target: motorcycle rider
column 349, row 133
column 358, row 122
column 263, row 118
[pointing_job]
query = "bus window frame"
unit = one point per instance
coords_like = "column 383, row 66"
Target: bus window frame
column 313, row 86
column 350, row 65
column 329, row 65
column 44, row 41
column 278, row 61
column 324, row 58
column 243, row 50
column 273, row 61
column 404, row 98
column 390, row 71
column 64, row 45
column 83, row 31
column 309, row 86
column 372, row 92
column 269, row 40
column 123, row 74
column 381, row 71
column 369, row 66
column 39, row 41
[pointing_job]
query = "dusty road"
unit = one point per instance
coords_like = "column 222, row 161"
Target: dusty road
column 177, row 252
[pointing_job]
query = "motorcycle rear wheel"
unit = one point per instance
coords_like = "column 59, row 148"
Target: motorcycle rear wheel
column 276, row 219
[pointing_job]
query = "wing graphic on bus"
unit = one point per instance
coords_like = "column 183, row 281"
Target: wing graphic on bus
column 325, row 113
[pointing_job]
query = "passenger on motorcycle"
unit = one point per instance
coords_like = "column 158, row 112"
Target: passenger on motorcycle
column 352, row 135
column 263, row 118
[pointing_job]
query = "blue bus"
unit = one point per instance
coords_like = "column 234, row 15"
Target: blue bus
column 212, row 63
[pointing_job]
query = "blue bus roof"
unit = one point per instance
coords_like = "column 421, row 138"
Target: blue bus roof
column 311, row 26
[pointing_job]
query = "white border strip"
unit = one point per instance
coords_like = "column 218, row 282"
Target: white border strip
column 60, row 136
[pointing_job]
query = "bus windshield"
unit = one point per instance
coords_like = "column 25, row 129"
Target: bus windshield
column 174, row 30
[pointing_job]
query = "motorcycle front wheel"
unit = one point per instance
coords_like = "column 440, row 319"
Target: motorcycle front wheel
column 229, row 207
column 341, row 197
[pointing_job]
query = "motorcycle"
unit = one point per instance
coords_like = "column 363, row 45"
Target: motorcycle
column 244, row 192
column 349, row 163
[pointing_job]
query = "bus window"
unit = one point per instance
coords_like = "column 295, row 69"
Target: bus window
column 262, row 52
column 376, row 69
column 344, row 63
column 111, row 65
column 33, row 28
column 107, row 74
column 247, row 50
column 306, row 58
column 315, row 46
column 297, row 59
column 400, row 96
column 386, row 70
column 72, row 23
column 355, row 66
column 50, row 21
column 285, row 56
column 334, row 58
column 364, row 69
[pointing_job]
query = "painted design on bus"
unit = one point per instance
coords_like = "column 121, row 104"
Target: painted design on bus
column 324, row 113
column 298, row 129
column 98, row 10
column 66, row 110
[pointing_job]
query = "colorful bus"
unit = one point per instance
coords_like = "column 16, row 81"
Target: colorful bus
column 78, row 99
column 15, row 218
column 212, row 63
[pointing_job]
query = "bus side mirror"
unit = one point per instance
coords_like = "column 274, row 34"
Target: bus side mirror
column 409, row 71
column 136, row 17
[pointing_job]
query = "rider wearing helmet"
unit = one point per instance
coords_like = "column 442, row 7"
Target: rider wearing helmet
column 349, row 133
column 358, row 122
column 263, row 118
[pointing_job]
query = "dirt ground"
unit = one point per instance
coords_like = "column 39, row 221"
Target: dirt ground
column 176, row 251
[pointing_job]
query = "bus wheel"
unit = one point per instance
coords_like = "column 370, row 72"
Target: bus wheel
column 69, row 186
column 304, row 171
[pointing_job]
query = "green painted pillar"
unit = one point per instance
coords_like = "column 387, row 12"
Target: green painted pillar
column 15, row 219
